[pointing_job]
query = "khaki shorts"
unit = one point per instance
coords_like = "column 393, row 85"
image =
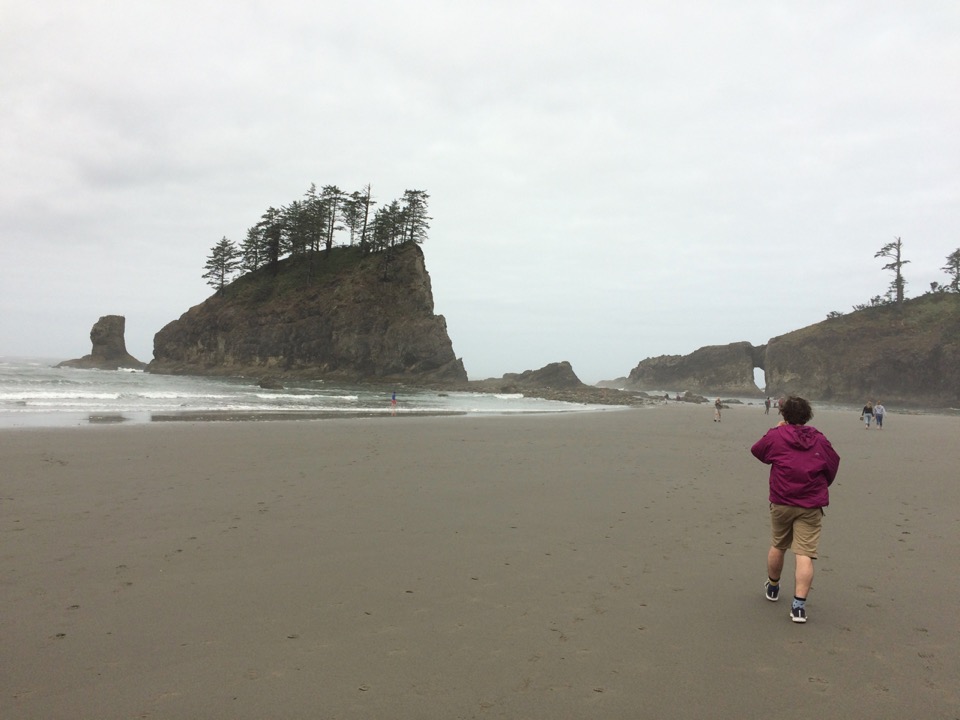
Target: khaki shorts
column 796, row 528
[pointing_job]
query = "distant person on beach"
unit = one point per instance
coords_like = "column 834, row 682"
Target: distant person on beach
column 878, row 412
column 867, row 414
column 766, row 406
column 717, row 406
column 803, row 465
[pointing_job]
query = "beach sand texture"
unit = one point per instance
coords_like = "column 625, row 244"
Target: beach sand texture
column 596, row 565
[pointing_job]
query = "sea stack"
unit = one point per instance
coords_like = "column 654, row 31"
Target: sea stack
column 109, row 350
column 344, row 316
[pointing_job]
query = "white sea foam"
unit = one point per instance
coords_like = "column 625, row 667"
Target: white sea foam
column 34, row 393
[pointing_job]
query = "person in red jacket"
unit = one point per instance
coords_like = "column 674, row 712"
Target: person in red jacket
column 803, row 465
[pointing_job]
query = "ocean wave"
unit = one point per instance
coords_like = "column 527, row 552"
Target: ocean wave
column 27, row 396
column 173, row 395
column 34, row 393
column 304, row 397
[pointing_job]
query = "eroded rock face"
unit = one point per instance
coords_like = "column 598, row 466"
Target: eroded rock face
column 369, row 321
column 109, row 350
column 723, row 369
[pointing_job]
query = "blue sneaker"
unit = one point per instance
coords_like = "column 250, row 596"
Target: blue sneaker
column 798, row 614
column 772, row 592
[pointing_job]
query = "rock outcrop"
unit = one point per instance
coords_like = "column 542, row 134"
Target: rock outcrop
column 109, row 350
column 714, row 369
column 347, row 317
column 556, row 381
column 556, row 376
column 906, row 355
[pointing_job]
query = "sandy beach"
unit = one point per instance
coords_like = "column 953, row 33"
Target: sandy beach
column 593, row 565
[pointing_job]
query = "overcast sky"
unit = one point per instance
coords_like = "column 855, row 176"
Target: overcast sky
column 608, row 181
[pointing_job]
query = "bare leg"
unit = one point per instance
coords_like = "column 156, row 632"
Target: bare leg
column 804, row 578
column 774, row 563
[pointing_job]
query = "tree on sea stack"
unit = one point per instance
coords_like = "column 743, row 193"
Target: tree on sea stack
column 222, row 263
column 309, row 226
column 893, row 250
column 415, row 215
column 271, row 227
column 252, row 250
column 355, row 214
column 331, row 197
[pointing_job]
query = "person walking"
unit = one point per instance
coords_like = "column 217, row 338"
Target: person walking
column 717, row 407
column 803, row 465
column 766, row 406
column 878, row 412
column 867, row 414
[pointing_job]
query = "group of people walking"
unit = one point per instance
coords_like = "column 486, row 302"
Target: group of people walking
column 872, row 412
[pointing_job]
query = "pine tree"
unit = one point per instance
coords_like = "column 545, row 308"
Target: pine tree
column 271, row 225
column 222, row 263
column 893, row 251
column 252, row 250
column 366, row 198
column 952, row 268
column 353, row 213
column 316, row 217
column 296, row 228
column 331, row 196
column 415, row 216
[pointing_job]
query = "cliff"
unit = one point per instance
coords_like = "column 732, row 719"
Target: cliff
column 340, row 315
column 109, row 351
column 906, row 355
column 724, row 369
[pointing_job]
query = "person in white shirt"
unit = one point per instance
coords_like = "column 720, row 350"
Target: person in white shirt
column 878, row 412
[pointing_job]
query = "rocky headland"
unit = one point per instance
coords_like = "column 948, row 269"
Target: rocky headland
column 907, row 355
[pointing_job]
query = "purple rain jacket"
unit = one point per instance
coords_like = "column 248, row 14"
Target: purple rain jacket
column 802, row 464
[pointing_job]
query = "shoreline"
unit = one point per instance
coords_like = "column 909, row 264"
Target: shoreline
column 590, row 564
column 62, row 419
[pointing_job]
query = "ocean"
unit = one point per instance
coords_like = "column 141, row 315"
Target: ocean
column 33, row 393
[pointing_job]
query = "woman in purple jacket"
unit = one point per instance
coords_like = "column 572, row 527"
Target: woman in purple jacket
column 803, row 464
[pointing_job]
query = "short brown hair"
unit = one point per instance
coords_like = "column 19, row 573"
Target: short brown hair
column 796, row 410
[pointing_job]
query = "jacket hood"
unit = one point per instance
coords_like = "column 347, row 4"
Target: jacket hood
column 800, row 437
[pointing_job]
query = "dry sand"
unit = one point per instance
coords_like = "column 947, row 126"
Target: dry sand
column 605, row 565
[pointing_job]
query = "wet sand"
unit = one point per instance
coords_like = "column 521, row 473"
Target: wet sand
column 603, row 565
